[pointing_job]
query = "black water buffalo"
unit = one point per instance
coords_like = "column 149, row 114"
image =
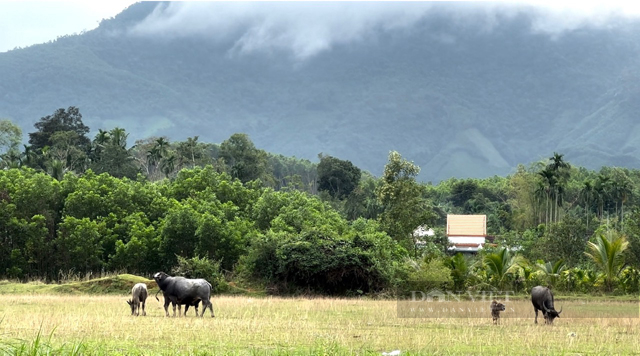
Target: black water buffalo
column 496, row 308
column 138, row 297
column 542, row 299
column 180, row 290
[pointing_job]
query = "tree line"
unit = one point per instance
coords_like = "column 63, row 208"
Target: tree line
column 70, row 204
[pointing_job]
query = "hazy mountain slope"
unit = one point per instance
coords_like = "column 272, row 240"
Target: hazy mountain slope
column 457, row 100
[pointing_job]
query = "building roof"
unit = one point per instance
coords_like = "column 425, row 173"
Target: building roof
column 466, row 225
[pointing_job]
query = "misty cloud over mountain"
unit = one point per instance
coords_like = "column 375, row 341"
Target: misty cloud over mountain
column 307, row 28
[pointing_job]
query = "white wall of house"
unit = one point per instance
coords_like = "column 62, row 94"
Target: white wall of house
column 467, row 239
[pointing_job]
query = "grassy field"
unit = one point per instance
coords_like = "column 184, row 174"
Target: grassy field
column 102, row 324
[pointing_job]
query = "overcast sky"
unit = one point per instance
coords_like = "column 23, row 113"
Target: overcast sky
column 24, row 23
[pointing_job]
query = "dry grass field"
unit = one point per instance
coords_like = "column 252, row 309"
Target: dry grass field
column 102, row 325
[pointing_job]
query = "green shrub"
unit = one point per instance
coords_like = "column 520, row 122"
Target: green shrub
column 424, row 275
column 321, row 262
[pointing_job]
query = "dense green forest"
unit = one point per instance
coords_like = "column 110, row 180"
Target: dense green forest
column 237, row 215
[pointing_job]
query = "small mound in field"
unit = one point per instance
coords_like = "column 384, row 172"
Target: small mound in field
column 120, row 284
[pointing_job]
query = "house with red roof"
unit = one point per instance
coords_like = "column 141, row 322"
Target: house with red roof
column 467, row 233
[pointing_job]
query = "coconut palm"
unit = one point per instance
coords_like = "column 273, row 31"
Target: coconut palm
column 500, row 264
column 608, row 254
column 551, row 270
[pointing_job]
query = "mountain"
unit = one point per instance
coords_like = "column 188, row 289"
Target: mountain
column 460, row 96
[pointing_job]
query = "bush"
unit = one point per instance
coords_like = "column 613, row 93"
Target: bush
column 321, row 262
column 423, row 275
column 629, row 280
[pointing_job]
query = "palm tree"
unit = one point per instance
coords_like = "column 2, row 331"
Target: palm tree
column 192, row 145
column 168, row 164
column 552, row 270
column 608, row 254
column 102, row 137
column 621, row 190
column 29, row 156
column 560, row 170
column 119, row 137
column 162, row 145
column 549, row 184
column 626, row 190
column 586, row 194
column 56, row 169
column 602, row 188
column 500, row 264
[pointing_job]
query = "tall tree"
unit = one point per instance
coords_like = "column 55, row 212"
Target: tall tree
column 66, row 148
column 189, row 152
column 561, row 171
column 112, row 156
column 244, row 160
column 547, row 187
column 602, row 189
column 61, row 120
column 337, row 177
column 10, row 137
column 586, row 195
column 401, row 197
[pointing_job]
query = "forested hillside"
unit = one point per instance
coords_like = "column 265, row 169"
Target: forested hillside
column 232, row 213
column 460, row 101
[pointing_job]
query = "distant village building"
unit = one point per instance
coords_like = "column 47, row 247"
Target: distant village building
column 467, row 233
column 420, row 235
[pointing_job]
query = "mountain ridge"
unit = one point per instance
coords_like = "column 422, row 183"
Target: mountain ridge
column 456, row 100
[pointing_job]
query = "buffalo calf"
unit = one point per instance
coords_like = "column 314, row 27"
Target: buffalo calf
column 138, row 297
column 496, row 308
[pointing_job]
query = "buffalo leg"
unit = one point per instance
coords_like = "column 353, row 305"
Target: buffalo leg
column 144, row 313
column 166, row 307
column 206, row 304
column 536, row 310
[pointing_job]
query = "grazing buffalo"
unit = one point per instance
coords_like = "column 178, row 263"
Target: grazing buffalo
column 496, row 308
column 542, row 299
column 180, row 290
column 139, row 295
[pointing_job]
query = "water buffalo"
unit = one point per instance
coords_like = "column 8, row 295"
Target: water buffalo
column 496, row 308
column 542, row 299
column 139, row 295
column 180, row 290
